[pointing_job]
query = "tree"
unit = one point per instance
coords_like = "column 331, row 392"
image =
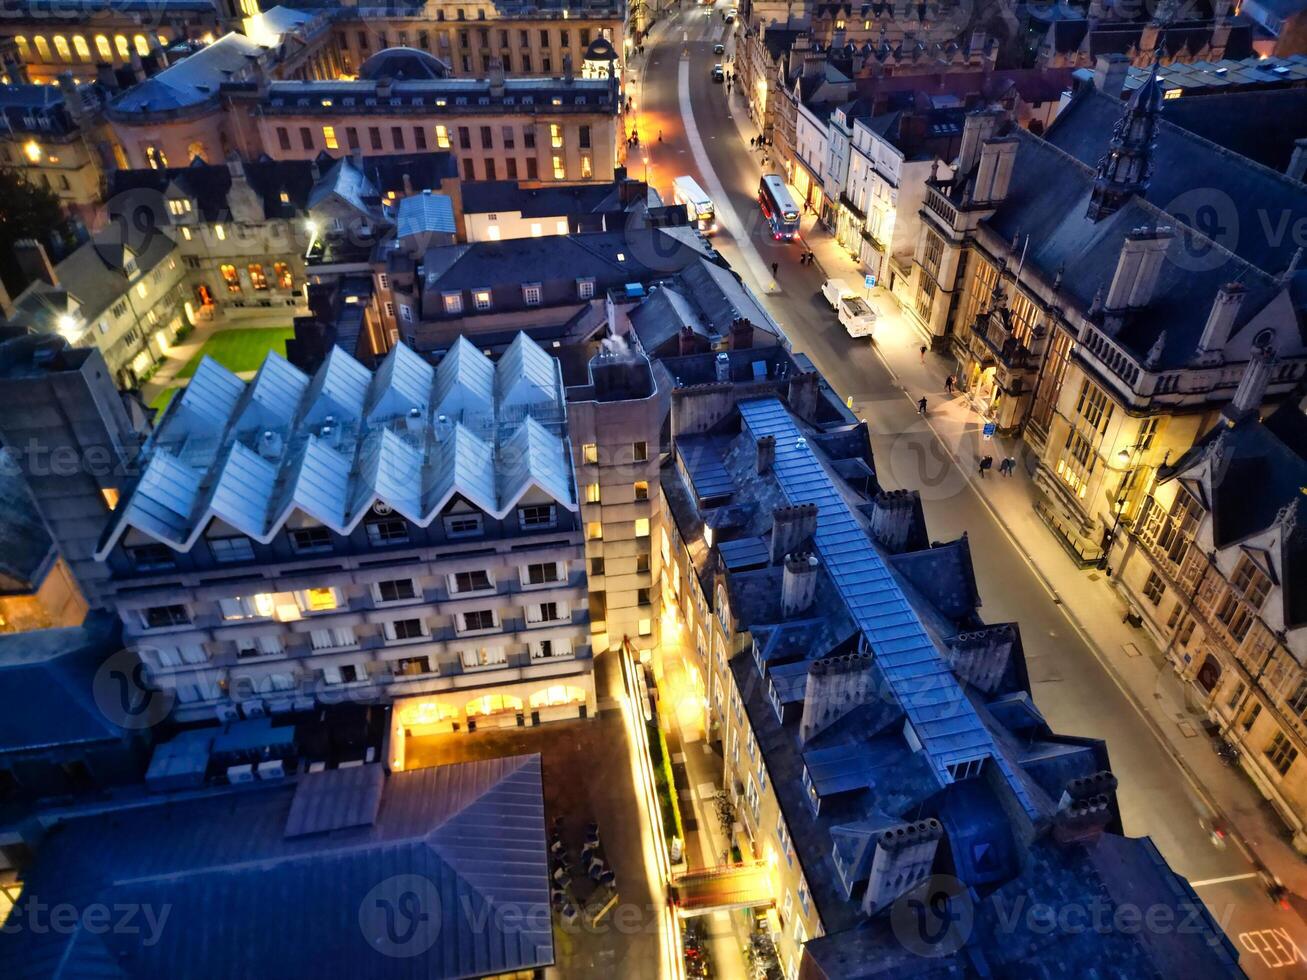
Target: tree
column 26, row 211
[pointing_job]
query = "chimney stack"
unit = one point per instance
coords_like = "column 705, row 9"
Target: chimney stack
column 766, row 453
column 994, row 174
column 803, row 395
column 722, row 366
column 1138, row 269
column 904, row 857
column 34, row 262
column 1252, row 386
column 798, row 584
column 1221, row 319
column 792, row 529
column 834, row 687
column 897, row 523
column 1085, row 808
column 976, row 128
column 1110, row 71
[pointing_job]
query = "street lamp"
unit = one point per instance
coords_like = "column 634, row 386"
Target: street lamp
column 1125, row 455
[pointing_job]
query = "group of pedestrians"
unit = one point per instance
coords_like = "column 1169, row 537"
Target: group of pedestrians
column 1007, row 465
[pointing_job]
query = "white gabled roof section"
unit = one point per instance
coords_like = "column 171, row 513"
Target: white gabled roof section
column 401, row 384
column 525, row 375
column 338, row 389
column 275, row 395
column 318, row 486
column 162, row 503
column 206, row 402
column 254, row 454
column 534, row 457
column 465, row 381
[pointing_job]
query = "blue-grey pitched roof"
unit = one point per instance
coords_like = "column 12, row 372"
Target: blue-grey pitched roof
column 192, row 81
column 26, row 547
column 426, row 213
column 245, row 900
column 920, row 681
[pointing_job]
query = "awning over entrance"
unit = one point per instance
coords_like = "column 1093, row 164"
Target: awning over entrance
column 707, row 890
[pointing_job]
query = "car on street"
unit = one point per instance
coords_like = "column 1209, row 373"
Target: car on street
column 731, row 14
column 718, row 75
column 719, row 49
column 856, row 316
column 835, row 290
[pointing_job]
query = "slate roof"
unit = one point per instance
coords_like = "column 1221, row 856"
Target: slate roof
column 1237, row 121
column 244, row 899
column 26, row 548
column 192, row 81
column 424, row 214
column 1185, row 162
column 209, row 185
column 332, row 444
column 1048, row 200
column 547, row 201
column 703, row 296
column 47, row 677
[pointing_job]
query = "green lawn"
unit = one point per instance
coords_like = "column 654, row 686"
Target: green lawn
column 240, row 349
column 162, row 400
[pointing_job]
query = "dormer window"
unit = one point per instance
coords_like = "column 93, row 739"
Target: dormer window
column 453, row 302
column 178, row 206
column 532, row 293
column 585, row 288
column 481, row 299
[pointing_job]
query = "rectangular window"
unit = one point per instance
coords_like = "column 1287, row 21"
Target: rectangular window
column 547, row 612
column 587, row 167
column 481, row 299
column 506, row 135
column 594, row 531
column 547, row 649
column 537, row 516
column 374, row 137
column 406, row 629
column 541, row 573
column 532, row 294
column 478, row 619
column 351, row 137
column 161, row 617
column 642, row 562
column 283, row 137
column 318, row 600
column 592, row 493
column 258, row 279
column 590, row 452
column 482, row 657
column 412, row 666
column 596, row 566
column 394, row 590
column 1154, row 588
column 333, row 639
column 1093, row 407
column 329, row 137
column 442, row 137
column 639, row 451
column 232, row 549
column 150, row 557
column 1281, row 753
column 510, row 168
column 387, row 531
column 556, row 136
column 487, row 140
column 306, row 137
column 532, row 169
column 583, row 137
column 463, row 525
column 310, row 540
column 230, row 276
column 475, row 581
column 258, row 646
column 641, row 489
column 397, row 137
column 585, row 288
column 464, row 138
column 560, row 169
column 642, row 527
column 453, row 302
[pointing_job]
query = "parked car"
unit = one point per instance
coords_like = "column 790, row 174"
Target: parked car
column 718, row 75
column 835, row 290
column 856, row 316
column 719, row 49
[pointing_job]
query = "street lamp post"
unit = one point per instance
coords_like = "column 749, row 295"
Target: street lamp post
column 1127, row 456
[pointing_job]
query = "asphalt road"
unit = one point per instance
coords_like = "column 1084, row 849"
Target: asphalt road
column 1071, row 688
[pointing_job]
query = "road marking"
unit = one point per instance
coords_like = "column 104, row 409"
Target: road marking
column 721, row 201
column 1274, row 946
column 1222, row 881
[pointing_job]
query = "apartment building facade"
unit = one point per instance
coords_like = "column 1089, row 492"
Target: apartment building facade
column 409, row 536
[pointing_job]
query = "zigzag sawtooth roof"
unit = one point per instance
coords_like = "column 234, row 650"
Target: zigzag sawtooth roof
column 410, row 435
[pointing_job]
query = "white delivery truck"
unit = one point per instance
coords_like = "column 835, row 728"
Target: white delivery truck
column 698, row 205
column 834, row 290
column 857, row 317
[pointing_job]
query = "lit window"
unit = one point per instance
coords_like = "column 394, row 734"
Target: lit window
column 646, row 627
column 594, row 531
column 590, row 452
column 221, row 232
column 453, row 302
column 642, row 527
column 587, row 168
column 641, row 490
column 329, row 137
column 481, row 299
column 493, row 233
column 555, row 136
column 585, row 288
column 186, row 234
column 257, row 279
column 536, row 230
column 231, row 277
column 142, row 45
column 320, row 600
column 140, row 289
column 32, row 150
column 592, row 493
column 110, row 496
column 442, row 137
column 281, row 271
column 560, row 170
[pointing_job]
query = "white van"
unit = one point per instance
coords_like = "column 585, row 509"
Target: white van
column 857, row 317
column 835, row 290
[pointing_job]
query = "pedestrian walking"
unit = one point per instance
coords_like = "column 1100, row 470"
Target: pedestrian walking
column 985, row 463
column 948, row 384
column 923, row 353
column 753, row 142
column 660, row 136
column 1007, row 466
column 774, row 267
column 921, row 406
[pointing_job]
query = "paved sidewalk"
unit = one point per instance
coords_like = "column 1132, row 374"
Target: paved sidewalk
column 1086, row 596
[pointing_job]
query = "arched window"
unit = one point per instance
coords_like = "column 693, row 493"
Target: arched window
column 196, row 149
column 124, row 48
column 142, row 45
column 61, row 48
column 83, row 49
column 24, row 51
column 42, row 48
column 103, row 48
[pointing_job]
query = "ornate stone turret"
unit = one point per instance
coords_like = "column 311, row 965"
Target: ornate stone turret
column 1124, row 170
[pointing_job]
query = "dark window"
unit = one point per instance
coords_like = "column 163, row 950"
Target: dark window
column 547, row 64
column 510, row 168
column 306, row 137
column 397, row 137
column 566, row 38
column 585, row 37
column 642, row 563
column 548, row 612
column 640, row 451
column 503, row 39
column 526, row 63
column 483, row 36
column 407, row 629
column 374, row 137
column 363, row 39
column 390, row 530
column 464, row 138
column 544, row 39
column 469, row 169
column 396, row 590
column 283, row 137
column 349, row 673
column 1154, row 588
column 487, row 141
column 479, row 619
column 463, row 525
column 157, row 617
column 532, row 171
column 585, row 137
column 419, row 138
column 529, row 137
column 542, row 572
column 524, row 39
column 539, row 515
column 352, row 137
column 462, row 38
column 471, row 581
column 506, row 134
column 232, row 549
column 151, row 556
column 307, row 540
column 596, row 566
column 490, row 170
column 424, row 41
column 643, row 596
